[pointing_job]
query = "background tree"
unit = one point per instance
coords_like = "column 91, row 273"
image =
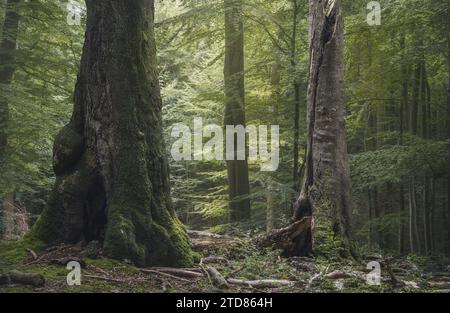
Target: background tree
column 7, row 65
column 238, row 183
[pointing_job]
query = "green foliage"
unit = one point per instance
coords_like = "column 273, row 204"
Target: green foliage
column 396, row 163
column 40, row 99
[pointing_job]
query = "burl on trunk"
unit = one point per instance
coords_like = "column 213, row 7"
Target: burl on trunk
column 111, row 172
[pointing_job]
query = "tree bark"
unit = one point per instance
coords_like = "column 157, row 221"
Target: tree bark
column 415, row 100
column 403, row 109
column 296, row 86
column 238, row 182
column 411, row 220
column 448, row 215
column 112, row 181
column 326, row 187
column 8, row 43
column 413, row 229
column 275, row 81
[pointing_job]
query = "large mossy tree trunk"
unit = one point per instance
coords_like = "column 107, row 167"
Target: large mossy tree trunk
column 111, row 171
column 326, row 187
column 238, row 182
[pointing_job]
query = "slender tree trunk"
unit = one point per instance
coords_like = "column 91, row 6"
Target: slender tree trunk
column 411, row 219
column 403, row 108
column 326, row 188
column 271, row 203
column 8, row 227
column 414, row 216
column 415, row 100
column 426, row 219
column 448, row 136
column 431, row 228
column 401, row 235
column 112, row 181
column 370, row 235
column 448, row 88
column 448, row 215
column 238, row 182
column 415, row 246
column 7, row 66
column 296, row 86
column 276, row 96
column 426, row 200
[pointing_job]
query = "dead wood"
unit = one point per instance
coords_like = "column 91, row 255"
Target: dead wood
column 285, row 238
column 439, row 285
column 65, row 260
column 262, row 283
column 199, row 234
column 180, row 272
column 105, row 278
column 148, row 271
column 33, row 254
column 337, row 275
column 16, row 277
column 215, row 259
column 217, row 279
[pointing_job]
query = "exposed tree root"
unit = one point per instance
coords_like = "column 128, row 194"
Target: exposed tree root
column 286, row 238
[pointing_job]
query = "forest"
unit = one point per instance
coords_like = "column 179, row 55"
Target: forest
column 247, row 146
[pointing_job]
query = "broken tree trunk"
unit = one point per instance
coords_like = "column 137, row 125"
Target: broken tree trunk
column 326, row 186
column 286, row 238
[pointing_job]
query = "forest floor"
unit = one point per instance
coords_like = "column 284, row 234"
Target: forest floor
column 245, row 268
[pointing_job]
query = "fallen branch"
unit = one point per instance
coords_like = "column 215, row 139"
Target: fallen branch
column 64, row 261
column 263, row 283
column 337, row 275
column 104, row 278
column 441, row 279
column 33, row 254
column 49, row 251
column 16, row 277
column 217, row 279
column 198, row 234
column 312, row 279
column 215, row 259
column 440, row 285
column 167, row 275
column 189, row 273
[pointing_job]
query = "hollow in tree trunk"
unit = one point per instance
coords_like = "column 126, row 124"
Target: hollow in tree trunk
column 112, row 181
column 326, row 187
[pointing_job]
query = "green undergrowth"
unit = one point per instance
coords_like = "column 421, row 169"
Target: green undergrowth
column 13, row 253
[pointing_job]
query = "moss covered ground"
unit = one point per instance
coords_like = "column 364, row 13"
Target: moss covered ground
column 242, row 260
